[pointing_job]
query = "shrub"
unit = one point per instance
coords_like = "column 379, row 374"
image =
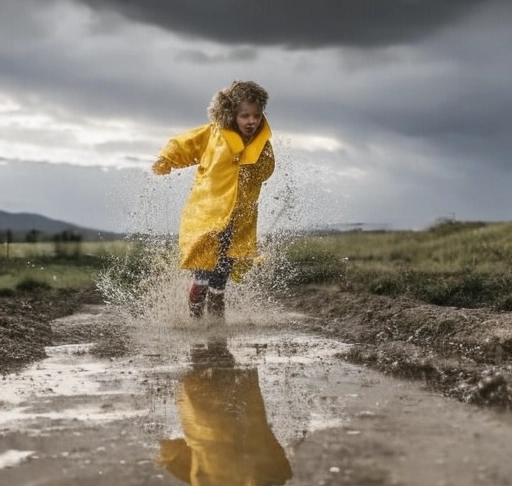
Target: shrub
column 386, row 286
column 32, row 285
column 504, row 303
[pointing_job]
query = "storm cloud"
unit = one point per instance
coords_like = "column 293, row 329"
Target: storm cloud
column 297, row 24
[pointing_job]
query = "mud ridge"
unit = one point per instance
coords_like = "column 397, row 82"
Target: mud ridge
column 25, row 319
column 463, row 353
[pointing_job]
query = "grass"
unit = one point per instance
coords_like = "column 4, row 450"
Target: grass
column 34, row 251
column 459, row 264
column 464, row 264
column 77, row 273
column 39, row 265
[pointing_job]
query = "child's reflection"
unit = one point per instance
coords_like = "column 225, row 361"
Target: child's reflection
column 227, row 438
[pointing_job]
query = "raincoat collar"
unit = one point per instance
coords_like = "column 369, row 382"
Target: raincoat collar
column 248, row 154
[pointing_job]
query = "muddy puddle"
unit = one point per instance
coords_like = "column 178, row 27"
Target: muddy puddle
column 245, row 405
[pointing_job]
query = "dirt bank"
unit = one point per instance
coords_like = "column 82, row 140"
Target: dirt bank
column 464, row 353
column 25, row 322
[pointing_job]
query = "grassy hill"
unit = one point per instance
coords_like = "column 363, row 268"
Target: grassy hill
column 463, row 264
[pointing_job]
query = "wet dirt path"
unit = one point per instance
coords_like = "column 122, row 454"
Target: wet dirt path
column 254, row 404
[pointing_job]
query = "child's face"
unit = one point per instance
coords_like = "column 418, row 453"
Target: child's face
column 248, row 118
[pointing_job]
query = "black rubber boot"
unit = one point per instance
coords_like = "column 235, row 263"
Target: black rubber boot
column 215, row 304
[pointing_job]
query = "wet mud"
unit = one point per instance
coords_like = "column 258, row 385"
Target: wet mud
column 275, row 398
column 462, row 353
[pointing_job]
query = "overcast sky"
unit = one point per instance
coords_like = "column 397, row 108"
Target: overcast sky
column 388, row 112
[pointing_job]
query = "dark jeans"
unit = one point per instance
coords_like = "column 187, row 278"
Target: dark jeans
column 218, row 278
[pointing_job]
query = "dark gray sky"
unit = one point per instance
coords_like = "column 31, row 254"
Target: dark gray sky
column 301, row 24
column 395, row 112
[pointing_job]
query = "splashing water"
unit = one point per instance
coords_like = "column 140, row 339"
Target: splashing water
column 148, row 285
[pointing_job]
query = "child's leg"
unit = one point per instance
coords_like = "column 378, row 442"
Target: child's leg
column 219, row 277
column 212, row 284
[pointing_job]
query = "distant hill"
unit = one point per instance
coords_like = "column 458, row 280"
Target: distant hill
column 20, row 224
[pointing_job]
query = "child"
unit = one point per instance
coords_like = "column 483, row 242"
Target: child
column 218, row 225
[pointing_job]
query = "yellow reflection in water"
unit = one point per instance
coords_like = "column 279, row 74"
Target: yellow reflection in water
column 228, row 440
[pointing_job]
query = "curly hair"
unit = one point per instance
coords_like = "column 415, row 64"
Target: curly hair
column 226, row 102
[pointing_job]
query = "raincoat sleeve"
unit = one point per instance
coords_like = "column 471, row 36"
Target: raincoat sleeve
column 182, row 150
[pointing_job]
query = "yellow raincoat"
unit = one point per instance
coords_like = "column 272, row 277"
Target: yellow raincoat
column 226, row 188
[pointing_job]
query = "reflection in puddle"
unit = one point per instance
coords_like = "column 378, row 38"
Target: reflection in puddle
column 13, row 457
column 227, row 439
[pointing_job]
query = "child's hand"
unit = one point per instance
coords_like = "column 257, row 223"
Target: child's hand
column 161, row 166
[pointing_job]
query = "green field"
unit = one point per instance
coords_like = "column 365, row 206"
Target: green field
column 466, row 264
column 459, row 264
column 67, row 265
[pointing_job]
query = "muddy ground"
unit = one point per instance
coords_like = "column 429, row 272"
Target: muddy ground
column 462, row 353
column 25, row 319
column 79, row 419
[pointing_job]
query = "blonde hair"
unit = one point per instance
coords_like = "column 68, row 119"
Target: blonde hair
column 225, row 103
